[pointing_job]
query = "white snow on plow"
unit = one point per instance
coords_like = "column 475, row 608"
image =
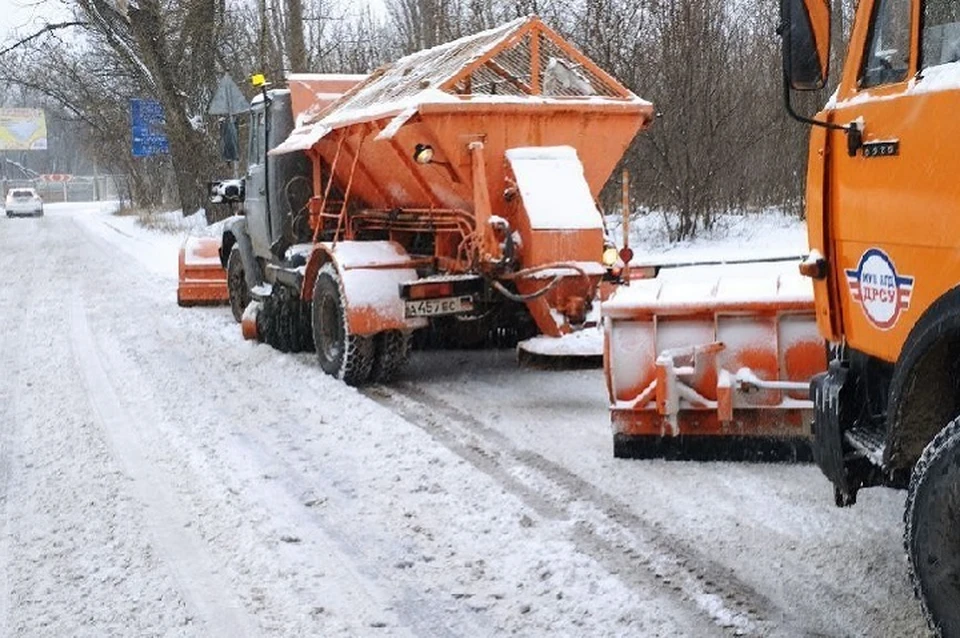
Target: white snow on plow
column 584, row 343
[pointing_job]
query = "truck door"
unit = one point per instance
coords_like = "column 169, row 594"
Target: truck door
column 895, row 202
column 256, row 193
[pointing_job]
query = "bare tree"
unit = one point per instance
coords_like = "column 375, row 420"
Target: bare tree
column 711, row 67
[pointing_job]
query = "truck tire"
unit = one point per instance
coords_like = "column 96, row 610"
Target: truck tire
column 237, row 287
column 932, row 530
column 391, row 352
column 293, row 322
column 342, row 355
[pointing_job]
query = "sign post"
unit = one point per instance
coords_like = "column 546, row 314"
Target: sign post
column 228, row 101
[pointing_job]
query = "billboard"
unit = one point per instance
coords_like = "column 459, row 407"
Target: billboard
column 23, row 130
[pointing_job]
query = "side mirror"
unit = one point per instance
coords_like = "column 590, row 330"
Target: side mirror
column 228, row 191
column 805, row 29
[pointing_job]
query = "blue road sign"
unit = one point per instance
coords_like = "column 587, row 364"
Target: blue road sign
column 147, row 124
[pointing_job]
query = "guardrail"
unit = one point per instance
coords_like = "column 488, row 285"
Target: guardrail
column 69, row 188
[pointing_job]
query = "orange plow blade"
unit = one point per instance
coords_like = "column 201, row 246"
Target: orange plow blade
column 202, row 279
column 713, row 369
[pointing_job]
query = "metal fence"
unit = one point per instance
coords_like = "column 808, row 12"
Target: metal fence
column 70, row 188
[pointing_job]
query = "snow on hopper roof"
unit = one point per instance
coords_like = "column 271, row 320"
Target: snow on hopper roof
column 522, row 59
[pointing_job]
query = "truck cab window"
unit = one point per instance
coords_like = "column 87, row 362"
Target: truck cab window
column 941, row 33
column 256, row 144
column 888, row 47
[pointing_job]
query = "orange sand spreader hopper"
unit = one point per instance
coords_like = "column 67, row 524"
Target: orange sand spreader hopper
column 470, row 172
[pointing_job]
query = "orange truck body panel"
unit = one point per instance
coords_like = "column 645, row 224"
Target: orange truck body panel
column 887, row 225
column 883, row 208
column 314, row 92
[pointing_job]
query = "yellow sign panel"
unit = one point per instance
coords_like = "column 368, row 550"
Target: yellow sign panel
column 23, row 130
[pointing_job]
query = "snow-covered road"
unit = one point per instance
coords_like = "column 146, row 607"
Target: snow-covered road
column 161, row 477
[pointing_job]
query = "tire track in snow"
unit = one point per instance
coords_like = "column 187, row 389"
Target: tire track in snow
column 708, row 608
column 411, row 613
column 624, row 543
column 202, row 587
column 359, row 588
column 9, row 419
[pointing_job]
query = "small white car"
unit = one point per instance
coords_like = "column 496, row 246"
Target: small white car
column 23, row 201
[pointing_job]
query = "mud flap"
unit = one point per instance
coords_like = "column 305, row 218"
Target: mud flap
column 830, row 394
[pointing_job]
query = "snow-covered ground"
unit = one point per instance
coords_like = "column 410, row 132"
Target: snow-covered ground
column 159, row 476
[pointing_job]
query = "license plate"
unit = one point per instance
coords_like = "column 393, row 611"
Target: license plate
column 442, row 306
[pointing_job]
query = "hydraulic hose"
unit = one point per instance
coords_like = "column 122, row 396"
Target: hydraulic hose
column 521, row 298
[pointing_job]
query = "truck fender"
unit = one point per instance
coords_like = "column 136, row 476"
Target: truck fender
column 235, row 233
column 924, row 383
column 370, row 276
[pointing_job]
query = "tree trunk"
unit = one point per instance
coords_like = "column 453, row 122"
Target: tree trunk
column 190, row 150
column 296, row 47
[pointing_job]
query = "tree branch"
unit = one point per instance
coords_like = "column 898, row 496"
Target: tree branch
column 47, row 29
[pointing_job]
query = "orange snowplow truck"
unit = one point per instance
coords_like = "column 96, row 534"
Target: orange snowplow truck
column 883, row 214
column 456, row 185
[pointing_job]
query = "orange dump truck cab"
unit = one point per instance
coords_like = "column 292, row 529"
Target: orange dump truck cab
column 883, row 212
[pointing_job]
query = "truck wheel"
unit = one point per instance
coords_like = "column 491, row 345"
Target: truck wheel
column 342, row 355
column 932, row 532
column 391, row 351
column 237, row 284
column 293, row 322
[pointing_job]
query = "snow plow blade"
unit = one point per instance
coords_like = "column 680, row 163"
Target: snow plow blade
column 712, row 370
column 202, row 279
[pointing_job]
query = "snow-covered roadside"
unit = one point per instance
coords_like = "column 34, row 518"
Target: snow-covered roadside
column 741, row 237
column 154, row 248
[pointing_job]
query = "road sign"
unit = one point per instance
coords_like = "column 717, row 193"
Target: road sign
column 56, row 177
column 147, row 124
column 228, row 100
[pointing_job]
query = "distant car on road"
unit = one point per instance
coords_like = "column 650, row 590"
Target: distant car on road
column 23, row 201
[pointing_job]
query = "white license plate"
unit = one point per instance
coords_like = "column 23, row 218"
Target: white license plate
column 442, row 306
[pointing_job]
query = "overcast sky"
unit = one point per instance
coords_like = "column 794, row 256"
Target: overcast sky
column 19, row 18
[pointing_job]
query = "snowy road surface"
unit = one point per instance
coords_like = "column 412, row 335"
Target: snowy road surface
column 161, row 477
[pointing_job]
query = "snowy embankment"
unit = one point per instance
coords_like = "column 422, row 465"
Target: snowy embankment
column 733, row 238
column 155, row 248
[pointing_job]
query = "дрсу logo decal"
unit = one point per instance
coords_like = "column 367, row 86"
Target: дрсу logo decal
column 880, row 291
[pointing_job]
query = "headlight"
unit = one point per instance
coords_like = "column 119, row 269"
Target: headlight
column 610, row 256
column 423, row 154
